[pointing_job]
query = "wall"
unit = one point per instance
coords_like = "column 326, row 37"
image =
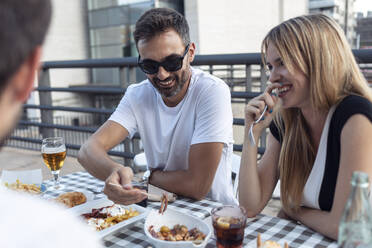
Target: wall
column 67, row 39
column 220, row 26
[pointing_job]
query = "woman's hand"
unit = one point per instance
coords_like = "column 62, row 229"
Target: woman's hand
column 255, row 107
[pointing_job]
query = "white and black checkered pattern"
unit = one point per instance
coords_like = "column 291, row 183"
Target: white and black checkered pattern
column 76, row 181
column 280, row 230
column 271, row 228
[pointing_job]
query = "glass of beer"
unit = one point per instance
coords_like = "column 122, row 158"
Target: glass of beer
column 229, row 223
column 53, row 151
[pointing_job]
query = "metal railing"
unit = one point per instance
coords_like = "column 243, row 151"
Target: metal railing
column 242, row 72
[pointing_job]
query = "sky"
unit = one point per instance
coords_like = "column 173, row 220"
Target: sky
column 363, row 6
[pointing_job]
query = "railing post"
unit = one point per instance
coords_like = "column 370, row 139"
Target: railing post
column 128, row 76
column 248, row 79
column 132, row 75
column 263, row 82
column 123, row 71
column 210, row 69
column 136, row 146
column 128, row 148
column 45, row 98
column 263, row 79
column 134, row 142
column 231, row 77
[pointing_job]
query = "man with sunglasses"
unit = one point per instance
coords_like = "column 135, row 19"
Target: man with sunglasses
column 182, row 114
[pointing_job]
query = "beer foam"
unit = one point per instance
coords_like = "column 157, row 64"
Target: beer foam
column 51, row 150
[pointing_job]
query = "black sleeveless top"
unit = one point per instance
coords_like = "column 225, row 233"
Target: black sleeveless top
column 348, row 107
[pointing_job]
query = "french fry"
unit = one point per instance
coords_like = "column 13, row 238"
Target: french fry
column 268, row 243
column 23, row 187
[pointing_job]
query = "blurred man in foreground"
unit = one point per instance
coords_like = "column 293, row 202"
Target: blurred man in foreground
column 25, row 220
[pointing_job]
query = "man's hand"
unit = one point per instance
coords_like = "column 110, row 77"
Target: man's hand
column 118, row 187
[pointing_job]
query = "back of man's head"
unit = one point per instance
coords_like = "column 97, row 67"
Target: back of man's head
column 23, row 26
column 158, row 20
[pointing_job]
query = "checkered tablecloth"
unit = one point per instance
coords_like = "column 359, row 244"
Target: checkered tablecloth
column 133, row 236
column 270, row 228
column 280, row 230
column 84, row 181
column 73, row 182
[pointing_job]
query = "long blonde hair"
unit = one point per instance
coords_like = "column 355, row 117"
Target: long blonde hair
column 316, row 46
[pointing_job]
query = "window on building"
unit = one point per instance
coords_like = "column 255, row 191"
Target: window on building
column 111, row 26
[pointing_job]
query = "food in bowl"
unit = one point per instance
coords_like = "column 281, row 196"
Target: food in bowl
column 101, row 218
column 24, row 187
column 170, row 219
column 177, row 233
column 71, row 199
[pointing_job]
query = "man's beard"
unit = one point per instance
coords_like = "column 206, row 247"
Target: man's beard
column 179, row 83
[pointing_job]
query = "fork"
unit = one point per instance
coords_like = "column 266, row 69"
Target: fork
column 250, row 135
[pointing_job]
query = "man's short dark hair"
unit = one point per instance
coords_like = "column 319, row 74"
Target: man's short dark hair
column 158, row 20
column 23, row 26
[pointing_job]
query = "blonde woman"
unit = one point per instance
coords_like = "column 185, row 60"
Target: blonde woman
column 320, row 125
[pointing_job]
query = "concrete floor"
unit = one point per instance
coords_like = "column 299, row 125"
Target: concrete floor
column 19, row 159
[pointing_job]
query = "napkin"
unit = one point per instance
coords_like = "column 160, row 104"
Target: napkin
column 24, row 176
column 155, row 194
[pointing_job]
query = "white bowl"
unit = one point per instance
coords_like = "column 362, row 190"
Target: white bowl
column 171, row 218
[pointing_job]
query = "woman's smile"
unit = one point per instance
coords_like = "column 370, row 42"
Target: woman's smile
column 282, row 91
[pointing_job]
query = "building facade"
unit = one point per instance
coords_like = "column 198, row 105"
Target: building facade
column 364, row 40
column 84, row 29
column 340, row 10
column 364, row 31
column 67, row 39
column 225, row 28
column 237, row 26
column 111, row 25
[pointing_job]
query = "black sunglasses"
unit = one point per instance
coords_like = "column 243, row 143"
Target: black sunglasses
column 171, row 63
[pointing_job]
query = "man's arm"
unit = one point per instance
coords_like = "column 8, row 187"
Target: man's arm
column 195, row 182
column 93, row 154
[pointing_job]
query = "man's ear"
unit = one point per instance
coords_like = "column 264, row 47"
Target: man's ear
column 191, row 52
column 23, row 81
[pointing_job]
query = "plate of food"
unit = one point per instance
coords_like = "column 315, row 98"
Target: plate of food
column 25, row 181
column 33, row 189
column 175, row 229
column 106, row 217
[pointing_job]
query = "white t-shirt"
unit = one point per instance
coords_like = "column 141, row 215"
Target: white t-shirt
column 26, row 221
column 204, row 115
